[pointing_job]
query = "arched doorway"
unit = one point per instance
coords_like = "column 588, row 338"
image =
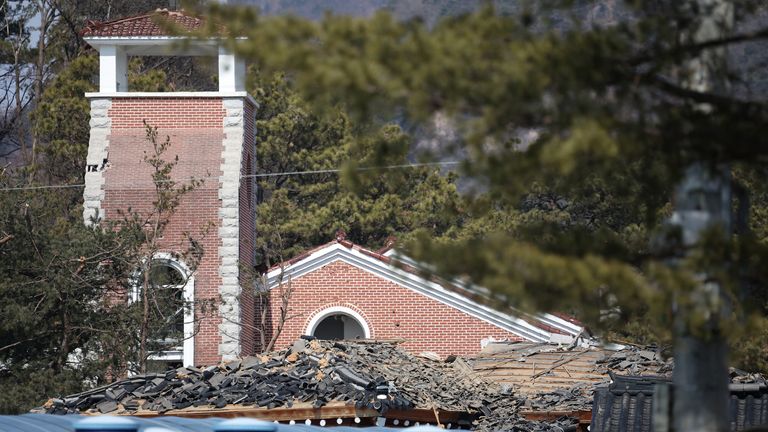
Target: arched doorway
column 338, row 323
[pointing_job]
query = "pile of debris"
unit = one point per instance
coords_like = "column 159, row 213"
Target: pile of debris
column 575, row 398
column 504, row 415
column 517, row 424
column 739, row 376
column 636, row 361
column 369, row 375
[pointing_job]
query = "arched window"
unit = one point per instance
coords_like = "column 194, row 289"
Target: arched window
column 338, row 322
column 170, row 295
column 339, row 326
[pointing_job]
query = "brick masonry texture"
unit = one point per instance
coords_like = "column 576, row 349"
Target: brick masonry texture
column 198, row 137
column 391, row 311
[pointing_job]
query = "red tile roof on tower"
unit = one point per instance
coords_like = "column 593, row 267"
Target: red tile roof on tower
column 154, row 23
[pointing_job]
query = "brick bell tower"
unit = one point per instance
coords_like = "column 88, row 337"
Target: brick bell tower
column 213, row 135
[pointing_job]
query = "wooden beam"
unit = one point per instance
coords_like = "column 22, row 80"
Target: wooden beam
column 329, row 412
column 584, row 417
column 278, row 414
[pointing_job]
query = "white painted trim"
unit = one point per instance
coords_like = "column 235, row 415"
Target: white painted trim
column 337, row 310
column 191, row 94
column 169, row 356
column 189, row 321
column 337, row 252
column 152, row 40
column 551, row 320
column 141, row 40
column 560, row 324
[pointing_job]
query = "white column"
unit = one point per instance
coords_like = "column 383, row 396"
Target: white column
column 189, row 322
column 231, row 72
column 113, row 69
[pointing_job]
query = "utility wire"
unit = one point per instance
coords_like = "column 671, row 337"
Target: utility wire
column 22, row 188
column 327, row 171
column 264, row 175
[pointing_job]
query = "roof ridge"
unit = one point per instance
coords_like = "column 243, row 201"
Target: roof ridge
column 177, row 16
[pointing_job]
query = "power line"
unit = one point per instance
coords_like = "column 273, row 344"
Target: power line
column 329, row 171
column 263, row 175
column 22, row 188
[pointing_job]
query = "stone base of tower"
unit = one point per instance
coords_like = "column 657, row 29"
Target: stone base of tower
column 213, row 136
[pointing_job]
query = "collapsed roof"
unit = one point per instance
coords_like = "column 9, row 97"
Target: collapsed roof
column 312, row 374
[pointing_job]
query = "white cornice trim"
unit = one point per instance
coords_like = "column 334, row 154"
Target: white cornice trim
column 136, row 40
column 190, row 94
column 133, row 40
column 551, row 320
column 337, row 252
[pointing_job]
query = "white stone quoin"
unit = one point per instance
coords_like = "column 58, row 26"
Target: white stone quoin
column 96, row 161
column 229, row 231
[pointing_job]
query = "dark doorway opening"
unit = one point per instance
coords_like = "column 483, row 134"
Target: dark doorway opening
column 339, row 326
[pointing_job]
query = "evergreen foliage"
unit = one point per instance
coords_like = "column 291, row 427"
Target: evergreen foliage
column 56, row 276
column 300, row 211
column 614, row 128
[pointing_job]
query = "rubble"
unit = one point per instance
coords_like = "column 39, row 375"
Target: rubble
column 635, row 361
column 575, row 398
column 503, row 415
column 739, row 376
column 382, row 377
column 377, row 376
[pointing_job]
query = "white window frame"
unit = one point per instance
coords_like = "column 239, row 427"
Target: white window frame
column 337, row 310
column 187, row 353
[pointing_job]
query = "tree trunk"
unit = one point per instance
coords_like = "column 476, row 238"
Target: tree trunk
column 19, row 105
column 39, row 76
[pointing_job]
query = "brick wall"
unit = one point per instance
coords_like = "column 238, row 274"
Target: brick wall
column 195, row 128
column 391, row 311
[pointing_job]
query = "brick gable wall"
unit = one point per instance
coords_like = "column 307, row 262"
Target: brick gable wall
column 391, row 311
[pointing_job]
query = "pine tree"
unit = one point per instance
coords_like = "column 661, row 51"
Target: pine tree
column 304, row 199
